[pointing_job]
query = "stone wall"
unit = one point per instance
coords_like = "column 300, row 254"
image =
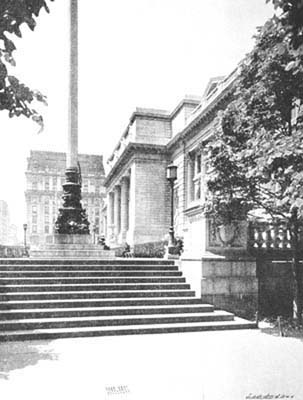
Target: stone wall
column 275, row 287
column 228, row 282
column 152, row 130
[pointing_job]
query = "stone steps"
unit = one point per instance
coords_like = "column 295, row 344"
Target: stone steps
column 70, row 312
column 89, row 279
column 47, row 299
column 78, row 287
column 83, row 274
column 140, row 302
column 47, row 334
column 21, row 262
column 94, row 294
column 110, row 320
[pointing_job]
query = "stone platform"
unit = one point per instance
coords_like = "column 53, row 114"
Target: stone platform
column 70, row 246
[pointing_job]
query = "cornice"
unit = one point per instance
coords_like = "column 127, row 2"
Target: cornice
column 206, row 115
column 130, row 150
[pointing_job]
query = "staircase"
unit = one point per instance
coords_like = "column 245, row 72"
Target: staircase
column 49, row 299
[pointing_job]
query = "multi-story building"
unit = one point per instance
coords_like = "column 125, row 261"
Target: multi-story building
column 138, row 196
column 138, row 193
column 137, row 189
column 45, row 175
column 4, row 222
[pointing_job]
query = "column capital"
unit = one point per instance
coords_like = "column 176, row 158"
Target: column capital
column 125, row 179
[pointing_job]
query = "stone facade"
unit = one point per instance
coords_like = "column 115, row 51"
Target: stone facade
column 45, row 175
column 152, row 140
column 137, row 190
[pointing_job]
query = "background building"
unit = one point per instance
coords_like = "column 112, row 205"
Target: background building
column 45, row 175
column 4, row 222
column 8, row 232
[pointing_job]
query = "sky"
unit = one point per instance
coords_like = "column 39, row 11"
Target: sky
column 135, row 53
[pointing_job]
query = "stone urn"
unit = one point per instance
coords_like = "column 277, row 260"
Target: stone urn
column 228, row 233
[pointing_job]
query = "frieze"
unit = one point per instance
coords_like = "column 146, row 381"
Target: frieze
column 129, row 151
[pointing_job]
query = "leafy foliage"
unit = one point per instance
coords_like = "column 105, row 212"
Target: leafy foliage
column 256, row 154
column 291, row 20
column 16, row 97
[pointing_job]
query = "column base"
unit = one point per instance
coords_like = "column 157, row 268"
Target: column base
column 72, row 218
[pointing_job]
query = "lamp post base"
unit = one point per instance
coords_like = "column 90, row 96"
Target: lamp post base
column 72, row 218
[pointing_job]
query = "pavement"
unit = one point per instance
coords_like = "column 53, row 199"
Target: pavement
column 229, row 365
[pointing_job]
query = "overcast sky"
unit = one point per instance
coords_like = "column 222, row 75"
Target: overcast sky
column 135, row 53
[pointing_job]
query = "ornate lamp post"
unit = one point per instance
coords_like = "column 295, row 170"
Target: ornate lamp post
column 72, row 217
column 24, row 237
column 171, row 175
column 94, row 233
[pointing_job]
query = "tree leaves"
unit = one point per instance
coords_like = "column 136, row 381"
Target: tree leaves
column 16, row 97
column 257, row 148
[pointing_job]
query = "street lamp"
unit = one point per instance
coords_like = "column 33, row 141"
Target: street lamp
column 94, row 228
column 171, row 176
column 24, row 239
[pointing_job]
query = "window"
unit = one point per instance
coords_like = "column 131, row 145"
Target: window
column 35, row 185
column 54, row 183
column 34, row 219
column 97, row 212
column 198, row 164
column 34, row 229
column 46, row 184
column 85, row 185
column 46, row 229
column 196, row 171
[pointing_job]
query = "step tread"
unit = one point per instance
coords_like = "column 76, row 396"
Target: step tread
column 91, row 291
column 215, row 314
column 237, row 322
column 12, row 302
column 75, row 271
column 50, row 310
column 72, row 278
column 131, row 284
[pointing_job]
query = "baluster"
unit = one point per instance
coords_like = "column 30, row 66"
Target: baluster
column 285, row 241
column 268, row 239
column 276, row 236
column 251, row 235
column 259, row 239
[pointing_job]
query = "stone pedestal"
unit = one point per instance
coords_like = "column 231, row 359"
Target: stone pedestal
column 70, row 246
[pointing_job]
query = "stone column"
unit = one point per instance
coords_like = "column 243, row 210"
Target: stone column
column 72, row 218
column 117, row 211
column 72, row 143
column 124, row 207
column 110, row 215
column 190, row 176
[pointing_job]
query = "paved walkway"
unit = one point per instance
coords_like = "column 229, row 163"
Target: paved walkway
column 228, row 365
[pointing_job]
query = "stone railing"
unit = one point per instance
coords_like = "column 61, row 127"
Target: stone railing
column 13, row 251
column 268, row 236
